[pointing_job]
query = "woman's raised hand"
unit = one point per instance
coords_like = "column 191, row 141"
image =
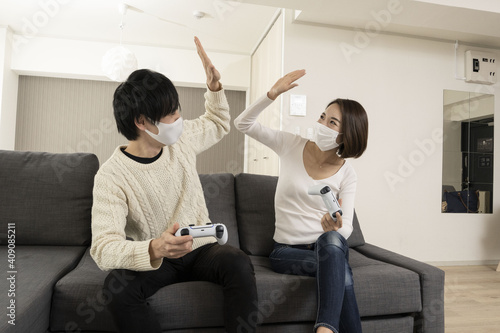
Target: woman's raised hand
column 213, row 75
column 286, row 83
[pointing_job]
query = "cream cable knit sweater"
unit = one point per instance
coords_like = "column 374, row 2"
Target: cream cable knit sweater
column 141, row 201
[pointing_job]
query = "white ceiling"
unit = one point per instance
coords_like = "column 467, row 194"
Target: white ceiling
column 417, row 17
column 237, row 26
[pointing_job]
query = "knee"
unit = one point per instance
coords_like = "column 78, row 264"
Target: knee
column 332, row 238
column 236, row 258
column 237, row 263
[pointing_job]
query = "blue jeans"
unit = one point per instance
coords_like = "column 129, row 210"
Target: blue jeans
column 328, row 260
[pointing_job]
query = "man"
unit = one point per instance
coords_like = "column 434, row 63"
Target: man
column 150, row 188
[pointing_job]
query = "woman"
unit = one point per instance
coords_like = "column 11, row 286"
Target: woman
column 308, row 241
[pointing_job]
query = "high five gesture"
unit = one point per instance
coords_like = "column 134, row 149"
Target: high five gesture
column 285, row 83
column 213, row 75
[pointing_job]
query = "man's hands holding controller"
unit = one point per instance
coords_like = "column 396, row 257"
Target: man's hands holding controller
column 169, row 246
column 327, row 222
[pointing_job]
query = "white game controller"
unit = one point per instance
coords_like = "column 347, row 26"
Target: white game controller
column 328, row 198
column 217, row 230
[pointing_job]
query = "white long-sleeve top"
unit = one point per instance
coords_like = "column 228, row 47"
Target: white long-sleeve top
column 141, row 201
column 298, row 214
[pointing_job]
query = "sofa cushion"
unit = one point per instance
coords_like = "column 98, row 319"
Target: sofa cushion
column 255, row 212
column 384, row 289
column 38, row 269
column 284, row 298
column 78, row 302
column 381, row 289
column 53, row 192
column 389, row 324
column 256, row 216
column 219, row 197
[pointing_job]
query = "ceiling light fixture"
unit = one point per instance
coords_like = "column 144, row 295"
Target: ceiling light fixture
column 119, row 62
column 198, row 14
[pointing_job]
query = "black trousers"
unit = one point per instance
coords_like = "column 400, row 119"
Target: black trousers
column 224, row 265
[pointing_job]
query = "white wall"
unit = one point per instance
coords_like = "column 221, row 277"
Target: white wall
column 400, row 83
column 8, row 92
column 52, row 57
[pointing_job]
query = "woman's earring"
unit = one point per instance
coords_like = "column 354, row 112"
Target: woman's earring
column 341, row 147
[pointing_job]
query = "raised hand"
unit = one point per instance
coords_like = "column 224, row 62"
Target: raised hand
column 213, row 75
column 286, row 83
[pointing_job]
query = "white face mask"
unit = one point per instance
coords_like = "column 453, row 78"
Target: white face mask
column 325, row 137
column 168, row 134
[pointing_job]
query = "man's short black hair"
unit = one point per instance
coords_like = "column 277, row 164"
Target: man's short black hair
column 147, row 93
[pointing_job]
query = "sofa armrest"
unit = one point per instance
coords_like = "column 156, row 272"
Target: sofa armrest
column 431, row 318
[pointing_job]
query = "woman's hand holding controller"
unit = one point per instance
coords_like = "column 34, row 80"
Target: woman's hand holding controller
column 327, row 222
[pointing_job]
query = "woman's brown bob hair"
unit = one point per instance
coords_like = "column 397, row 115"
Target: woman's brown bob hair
column 354, row 128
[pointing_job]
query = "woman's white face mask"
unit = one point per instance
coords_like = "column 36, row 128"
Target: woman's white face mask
column 168, row 134
column 325, row 137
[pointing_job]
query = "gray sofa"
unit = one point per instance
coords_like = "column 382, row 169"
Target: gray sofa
column 47, row 198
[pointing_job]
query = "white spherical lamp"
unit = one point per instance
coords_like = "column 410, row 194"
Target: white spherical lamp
column 118, row 63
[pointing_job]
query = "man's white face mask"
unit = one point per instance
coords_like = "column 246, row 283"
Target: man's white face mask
column 325, row 137
column 168, row 134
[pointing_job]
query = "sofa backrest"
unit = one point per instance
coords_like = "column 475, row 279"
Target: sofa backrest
column 48, row 197
column 255, row 214
column 219, row 196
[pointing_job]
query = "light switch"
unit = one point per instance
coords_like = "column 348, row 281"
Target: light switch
column 298, row 105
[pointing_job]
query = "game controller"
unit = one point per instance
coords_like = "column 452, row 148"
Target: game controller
column 328, row 198
column 217, row 230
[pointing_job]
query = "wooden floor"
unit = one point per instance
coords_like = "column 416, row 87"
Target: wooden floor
column 472, row 299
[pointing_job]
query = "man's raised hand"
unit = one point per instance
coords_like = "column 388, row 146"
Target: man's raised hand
column 213, row 75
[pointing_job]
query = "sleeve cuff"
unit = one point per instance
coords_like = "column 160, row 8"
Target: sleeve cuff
column 216, row 96
column 142, row 258
column 264, row 100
